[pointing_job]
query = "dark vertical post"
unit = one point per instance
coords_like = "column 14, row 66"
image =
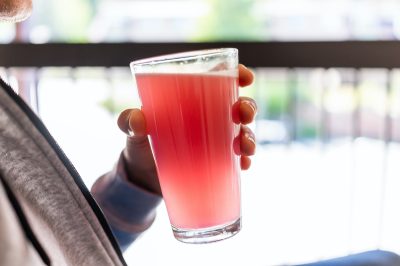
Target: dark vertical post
column 356, row 115
column 292, row 104
column 387, row 134
column 324, row 121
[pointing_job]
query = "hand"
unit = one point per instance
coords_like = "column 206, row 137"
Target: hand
column 139, row 160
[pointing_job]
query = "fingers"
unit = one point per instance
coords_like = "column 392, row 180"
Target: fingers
column 247, row 110
column 246, row 77
column 132, row 122
column 244, row 110
column 247, row 147
column 245, row 162
column 247, row 141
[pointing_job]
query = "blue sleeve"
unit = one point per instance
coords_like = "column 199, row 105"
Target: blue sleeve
column 129, row 209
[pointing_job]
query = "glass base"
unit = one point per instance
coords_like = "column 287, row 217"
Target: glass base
column 207, row 235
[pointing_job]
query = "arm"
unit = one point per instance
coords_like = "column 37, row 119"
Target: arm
column 130, row 209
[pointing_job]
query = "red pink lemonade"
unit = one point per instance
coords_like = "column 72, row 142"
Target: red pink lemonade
column 189, row 120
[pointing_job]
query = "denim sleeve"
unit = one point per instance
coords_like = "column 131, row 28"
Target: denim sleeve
column 129, row 209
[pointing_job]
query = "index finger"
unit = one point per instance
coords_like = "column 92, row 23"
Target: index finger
column 246, row 76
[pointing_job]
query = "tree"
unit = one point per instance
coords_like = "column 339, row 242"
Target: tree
column 229, row 20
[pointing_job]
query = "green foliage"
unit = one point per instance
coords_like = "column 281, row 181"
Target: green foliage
column 68, row 20
column 229, row 20
column 277, row 100
column 72, row 19
column 307, row 131
column 114, row 106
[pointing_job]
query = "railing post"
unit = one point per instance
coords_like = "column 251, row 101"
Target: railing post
column 292, row 104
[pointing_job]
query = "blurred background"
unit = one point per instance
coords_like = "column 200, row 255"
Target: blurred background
column 325, row 179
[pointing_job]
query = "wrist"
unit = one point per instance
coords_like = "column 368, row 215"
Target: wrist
column 127, row 206
column 139, row 175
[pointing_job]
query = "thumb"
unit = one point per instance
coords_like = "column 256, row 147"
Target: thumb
column 132, row 122
column 139, row 158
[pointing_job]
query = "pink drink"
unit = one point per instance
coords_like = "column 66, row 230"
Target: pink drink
column 189, row 120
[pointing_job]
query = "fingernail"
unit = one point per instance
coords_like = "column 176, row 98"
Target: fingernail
column 248, row 113
column 249, row 146
column 250, row 137
column 131, row 133
column 253, row 106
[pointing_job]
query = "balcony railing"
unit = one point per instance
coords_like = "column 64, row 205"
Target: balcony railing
column 348, row 54
column 350, row 59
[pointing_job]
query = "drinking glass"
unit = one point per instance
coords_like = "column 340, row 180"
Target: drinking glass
column 187, row 100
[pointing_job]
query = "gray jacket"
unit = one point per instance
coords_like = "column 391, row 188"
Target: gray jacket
column 47, row 215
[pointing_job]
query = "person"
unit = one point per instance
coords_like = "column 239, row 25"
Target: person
column 46, row 214
column 41, row 196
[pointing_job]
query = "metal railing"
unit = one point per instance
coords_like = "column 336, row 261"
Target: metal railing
column 290, row 56
column 348, row 54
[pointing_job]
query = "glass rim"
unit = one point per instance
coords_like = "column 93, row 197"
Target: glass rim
column 187, row 55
